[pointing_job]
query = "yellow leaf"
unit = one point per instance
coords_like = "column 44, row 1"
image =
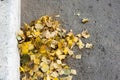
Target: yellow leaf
column 39, row 26
column 24, row 78
column 70, row 34
column 70, row 52
column 70, row 43
column 89, row 45
column 73, row 71
column 30, row 46
column 32, row 57
column 36, row 33
column 26, row 68
column 66, row 49
column 39, row 73
column 61, row 72
column 24, row 48
column 85, row 34
column 21, row 69
column 44, row 59
column 59, row 62
column 48, row 77
column 28, row 33
column 61, row 57
column 75, row 39
column 80, row 44
column 51, row 58
column 56, row 78
column 36, row 67
column 60, row 45
column 55, row 65
column 58, row 52
column 84, row 20
column 36, row 61
column 31, row 72
column 44, row 67
column 20, row 32
column 54, row 74
column 26, row 26
column 38, row 22
column 79, row 35
column 43, row 49
column 78, row 56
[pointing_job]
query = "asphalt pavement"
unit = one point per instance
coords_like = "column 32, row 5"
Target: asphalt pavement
column 103, row 61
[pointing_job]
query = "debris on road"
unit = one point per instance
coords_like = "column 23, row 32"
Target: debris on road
column 85, row 20
column 44, row 46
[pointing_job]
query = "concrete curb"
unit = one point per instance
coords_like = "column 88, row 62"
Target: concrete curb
column 9, row 25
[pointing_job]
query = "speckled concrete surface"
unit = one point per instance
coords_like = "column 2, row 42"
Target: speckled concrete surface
column 102, row 62
column 9, row 24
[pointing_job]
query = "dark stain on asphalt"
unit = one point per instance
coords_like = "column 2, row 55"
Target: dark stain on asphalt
column 97, row 0
column 109, row 4
column 90, row 6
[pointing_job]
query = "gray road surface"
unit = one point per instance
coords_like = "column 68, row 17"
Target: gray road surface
column 102, row 62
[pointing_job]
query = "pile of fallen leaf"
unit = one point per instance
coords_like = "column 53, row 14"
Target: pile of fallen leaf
column 44, row 46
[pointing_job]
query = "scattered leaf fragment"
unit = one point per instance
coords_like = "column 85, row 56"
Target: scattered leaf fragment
column 73, row 71
column 85, row 34
column 89, row 45
column 57, row 15
column 80, row 44
column 67, row 71
column 78, row 56
column 84, row 20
